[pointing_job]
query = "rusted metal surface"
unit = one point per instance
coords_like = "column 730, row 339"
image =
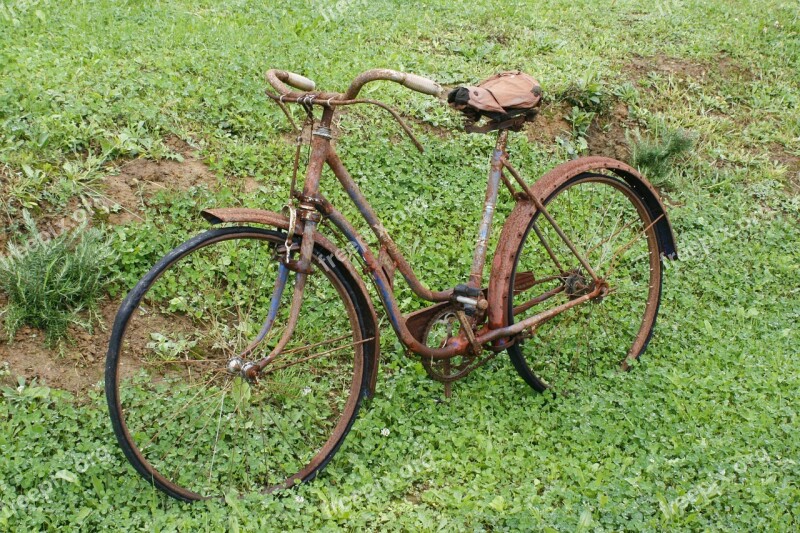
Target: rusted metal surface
column 448, row 370
column 388, row 264
column 412, row 81
column 524, row 281
column 537, row 300
column 320, row 146
column 277, row 293
column 276, row 220
column 513, row 233
column 291, row 324
column 530, row 201
column 514, row 193
column 547, row 247
column 419, row 321
column 489, row 203
column 143, row 464
column 466, row 326
column 279, row 78
column 236, row 215
column 543, row 211
column 460, row 345
column 368, row 213
column 376, row 272
column 539, row 318
column 484, row 327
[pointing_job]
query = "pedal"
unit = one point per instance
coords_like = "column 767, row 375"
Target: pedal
column 468, row 297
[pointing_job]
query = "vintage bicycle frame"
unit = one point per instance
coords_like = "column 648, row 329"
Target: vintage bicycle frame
column 312, row 206
column 496, row 333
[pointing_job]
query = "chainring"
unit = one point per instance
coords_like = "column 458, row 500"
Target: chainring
column 443, row 326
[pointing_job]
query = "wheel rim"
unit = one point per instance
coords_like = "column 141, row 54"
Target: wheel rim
column 197, row 430
column 612, row 227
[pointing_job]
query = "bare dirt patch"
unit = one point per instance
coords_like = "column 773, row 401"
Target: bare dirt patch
column 77, row 368
column 125, row 194
column 78, row 365
column 728, row 68
column 723, row 66
column 550, row 124
column 606, row 135
column 642, row 66
column 779, row 155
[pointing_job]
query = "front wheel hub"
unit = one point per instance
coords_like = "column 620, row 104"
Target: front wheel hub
column 234, row 365
column 250, row 372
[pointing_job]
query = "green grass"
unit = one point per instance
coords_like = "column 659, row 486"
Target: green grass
column 702, row 435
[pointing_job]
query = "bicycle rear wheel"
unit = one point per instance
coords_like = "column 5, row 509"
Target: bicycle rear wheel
column 610, row 224
column 192, row 428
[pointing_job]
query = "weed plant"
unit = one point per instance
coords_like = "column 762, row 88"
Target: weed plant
column 657, row 155
column 587, row 93
column 52, row 283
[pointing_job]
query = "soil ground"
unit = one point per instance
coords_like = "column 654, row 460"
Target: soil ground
column 77, row 364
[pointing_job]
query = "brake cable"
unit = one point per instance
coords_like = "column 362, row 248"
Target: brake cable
column 307, row 100
column 289, row 209
column 391, row 111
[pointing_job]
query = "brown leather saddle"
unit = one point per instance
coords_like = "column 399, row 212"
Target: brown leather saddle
column 507, row 100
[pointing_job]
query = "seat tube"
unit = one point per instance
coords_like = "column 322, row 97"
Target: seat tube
column 489, row 204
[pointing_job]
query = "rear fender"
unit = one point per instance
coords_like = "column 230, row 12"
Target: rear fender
column 276, row 220
column 517, row 222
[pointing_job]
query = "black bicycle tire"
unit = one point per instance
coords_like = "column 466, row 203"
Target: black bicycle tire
column 131, row 302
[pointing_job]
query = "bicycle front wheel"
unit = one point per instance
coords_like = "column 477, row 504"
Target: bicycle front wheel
column 193, row 428
column 612, row 228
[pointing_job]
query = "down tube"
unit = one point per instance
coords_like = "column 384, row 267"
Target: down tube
column 385, row 292
column 373, row 265
column 361, row 203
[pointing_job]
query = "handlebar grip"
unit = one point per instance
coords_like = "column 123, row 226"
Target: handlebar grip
column 423, row 85
column 300, row 82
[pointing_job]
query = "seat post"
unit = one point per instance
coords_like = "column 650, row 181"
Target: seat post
column 485, row 228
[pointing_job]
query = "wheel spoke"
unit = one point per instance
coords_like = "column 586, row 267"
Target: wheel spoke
column 271, row 369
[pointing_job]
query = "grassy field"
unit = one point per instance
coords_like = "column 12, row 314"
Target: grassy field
column 136, row 115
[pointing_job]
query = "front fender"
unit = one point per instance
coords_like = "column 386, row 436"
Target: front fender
column 276, row 220
column 517, row 222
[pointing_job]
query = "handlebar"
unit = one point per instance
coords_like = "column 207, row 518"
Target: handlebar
column 276, row 78
column 412, row 81
column 279, row 78
column 300, row 82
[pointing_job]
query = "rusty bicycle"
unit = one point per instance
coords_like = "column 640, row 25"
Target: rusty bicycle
column 239, row 362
